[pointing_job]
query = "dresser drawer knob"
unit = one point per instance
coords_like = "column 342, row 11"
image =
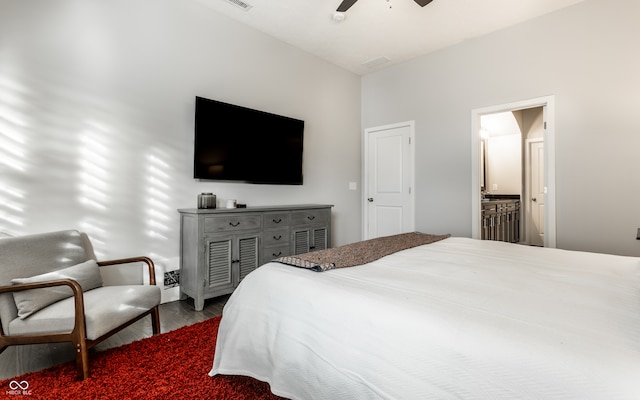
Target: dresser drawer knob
column 234, row 225
column 277, row 221
column 277, row 237
column 311, row 217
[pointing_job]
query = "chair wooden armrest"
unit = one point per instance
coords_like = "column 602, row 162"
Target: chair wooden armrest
column 146, row 260
column 155, row 313
column 77, row 334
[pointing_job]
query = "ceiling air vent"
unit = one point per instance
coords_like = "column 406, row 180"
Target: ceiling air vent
column 240, row 4
column 376, row 62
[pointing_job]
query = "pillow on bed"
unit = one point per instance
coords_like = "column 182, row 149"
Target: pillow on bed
column 87, row 274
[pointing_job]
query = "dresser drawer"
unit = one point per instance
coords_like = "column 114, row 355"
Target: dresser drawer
column 275, row 220
column 230, row 223
column 274, row 252
column 307, row 217
column 275, row 237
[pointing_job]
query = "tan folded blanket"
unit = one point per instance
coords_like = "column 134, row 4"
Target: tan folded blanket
column 358, row 253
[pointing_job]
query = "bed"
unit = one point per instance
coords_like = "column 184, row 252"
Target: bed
column 455, row 319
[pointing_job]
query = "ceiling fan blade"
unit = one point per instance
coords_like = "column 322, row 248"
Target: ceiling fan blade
column 423, row 3
column 346, row 4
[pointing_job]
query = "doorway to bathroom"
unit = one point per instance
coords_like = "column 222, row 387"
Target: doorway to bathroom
column 513, row 172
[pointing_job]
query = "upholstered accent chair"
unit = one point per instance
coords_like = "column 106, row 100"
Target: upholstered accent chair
column 52, row 290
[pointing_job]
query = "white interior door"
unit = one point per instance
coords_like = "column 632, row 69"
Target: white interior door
column 388, row 179
column 535, row 230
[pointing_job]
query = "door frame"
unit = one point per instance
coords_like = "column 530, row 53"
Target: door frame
column 365, row 173
column 526, row 204
column 548, row 105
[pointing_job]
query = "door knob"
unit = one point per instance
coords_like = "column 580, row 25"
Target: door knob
column 534, row 199
column 370, row 199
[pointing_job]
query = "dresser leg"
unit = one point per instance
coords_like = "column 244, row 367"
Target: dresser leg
column 198, row 304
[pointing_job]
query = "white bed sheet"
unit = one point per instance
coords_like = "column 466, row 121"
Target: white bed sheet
column 456, row 319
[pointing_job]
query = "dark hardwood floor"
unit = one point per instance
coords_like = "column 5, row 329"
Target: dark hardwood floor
column 17, row 360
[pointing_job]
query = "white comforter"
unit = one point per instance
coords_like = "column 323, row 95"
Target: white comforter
column 456, row 319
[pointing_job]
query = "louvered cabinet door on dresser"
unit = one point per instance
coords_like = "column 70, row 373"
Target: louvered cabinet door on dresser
column 310, row 239
column 218, row 262
column 220, row 247
column 310, row 230
column 227, row 261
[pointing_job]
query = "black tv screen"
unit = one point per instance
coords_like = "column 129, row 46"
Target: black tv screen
column 234, row 143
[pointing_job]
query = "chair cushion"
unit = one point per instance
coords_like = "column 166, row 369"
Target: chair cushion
column 87, row 274
column 106, row 308
column 37, row 254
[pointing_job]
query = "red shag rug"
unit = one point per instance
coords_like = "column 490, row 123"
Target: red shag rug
column 173, row 365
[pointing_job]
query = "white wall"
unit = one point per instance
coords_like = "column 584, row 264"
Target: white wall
column 504, row 164
column 96, row 119
column 531, row 122
column 586, row 55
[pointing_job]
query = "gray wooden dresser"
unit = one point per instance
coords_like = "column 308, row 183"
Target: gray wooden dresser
column 219, row 247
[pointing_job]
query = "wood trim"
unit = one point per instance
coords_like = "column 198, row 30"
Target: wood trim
column 146, row 260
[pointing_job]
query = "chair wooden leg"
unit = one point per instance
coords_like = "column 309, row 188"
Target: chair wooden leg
column 82, row 360
column 155, row 320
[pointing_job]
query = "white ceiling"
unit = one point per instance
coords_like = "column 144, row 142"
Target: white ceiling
column 500, row 124
column 374, row 31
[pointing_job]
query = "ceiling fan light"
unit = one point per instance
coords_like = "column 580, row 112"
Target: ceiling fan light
column 338, row 16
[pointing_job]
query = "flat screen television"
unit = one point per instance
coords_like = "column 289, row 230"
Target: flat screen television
column 234, row 143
